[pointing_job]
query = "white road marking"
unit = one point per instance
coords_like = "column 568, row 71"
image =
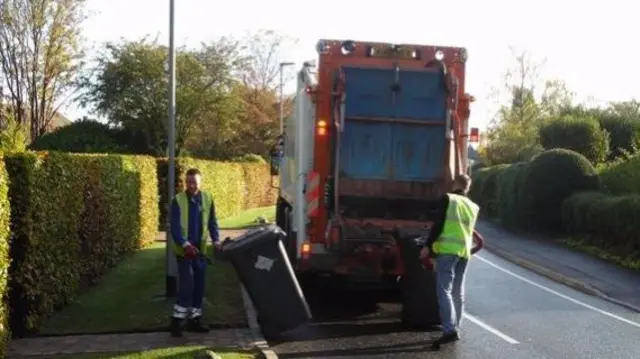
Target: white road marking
column 575, row 301
column 490, row 329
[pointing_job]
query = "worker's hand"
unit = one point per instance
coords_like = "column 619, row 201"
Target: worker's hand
column 190, row 251
column 218, row 246
column 424, row 253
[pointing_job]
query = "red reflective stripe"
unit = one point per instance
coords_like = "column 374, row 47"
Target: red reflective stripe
column 313, row 194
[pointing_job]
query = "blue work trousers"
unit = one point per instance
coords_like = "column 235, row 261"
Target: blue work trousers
column 450, row 276
column 191, row 285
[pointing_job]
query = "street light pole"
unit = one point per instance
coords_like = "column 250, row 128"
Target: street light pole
column 171, row 283
column 282, row 65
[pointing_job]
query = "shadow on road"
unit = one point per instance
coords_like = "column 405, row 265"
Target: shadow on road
column 322, row 331
column 403, row 348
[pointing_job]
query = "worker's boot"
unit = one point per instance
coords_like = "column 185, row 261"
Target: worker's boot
column 176, row 327
column 194, row 325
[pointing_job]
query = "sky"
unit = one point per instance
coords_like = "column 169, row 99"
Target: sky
column 590, row 45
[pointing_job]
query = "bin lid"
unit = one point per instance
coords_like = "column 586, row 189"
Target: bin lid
column 253, row 237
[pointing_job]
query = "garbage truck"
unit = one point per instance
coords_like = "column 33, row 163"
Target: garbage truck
column 377, row 133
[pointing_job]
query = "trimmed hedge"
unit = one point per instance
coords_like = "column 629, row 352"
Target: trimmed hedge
column 550, row 178
column 582, row 135
column 622, row 177
column 608, row 222
column 508, row 195
column 488, row 189
column 624, row 134
column 236, row 186
column 5, row 210
column 73, row 216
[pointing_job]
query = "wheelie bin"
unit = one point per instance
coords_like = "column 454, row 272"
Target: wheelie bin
column 418, row 283
column 419, row 297
column 262, row 265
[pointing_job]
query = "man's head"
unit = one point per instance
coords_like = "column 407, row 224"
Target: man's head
column 462, row 183
column 193, row 180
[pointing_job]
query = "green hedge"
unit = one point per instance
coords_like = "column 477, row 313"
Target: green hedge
column 582, row 135
column 604, row 221
column 236, row 186
column 622, row 177
column 550, row 178
column 508, row 195
column 73, row 216
column 624, row 134
column 5, row 210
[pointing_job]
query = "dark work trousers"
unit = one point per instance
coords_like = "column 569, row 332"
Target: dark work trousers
column 191, row 285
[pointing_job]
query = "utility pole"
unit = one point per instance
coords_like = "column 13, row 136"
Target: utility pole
column 171, row 283
column 282, row 65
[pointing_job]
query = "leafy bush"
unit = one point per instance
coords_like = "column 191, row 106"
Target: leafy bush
column 83, row 136
column 13, row 135
column 622, row 177
column 249, row 157
column 73, row 216
column 549, row 179
column 608, row 222
column 584, row 136
column 624, row 135
column 4, row 256
column 508, row 189
column 477, row 178
column 236, row 186
column 488, row 190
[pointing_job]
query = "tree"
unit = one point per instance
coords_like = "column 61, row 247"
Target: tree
column 40, row 55
column 253, row 114
column 513, row 135
column 261, row 85
column 626, row 109
column 131, row 86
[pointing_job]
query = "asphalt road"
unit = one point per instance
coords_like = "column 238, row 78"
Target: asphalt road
column 512, row 314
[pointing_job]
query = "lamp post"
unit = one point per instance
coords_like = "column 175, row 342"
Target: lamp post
column 282, row 65
column 171, row 280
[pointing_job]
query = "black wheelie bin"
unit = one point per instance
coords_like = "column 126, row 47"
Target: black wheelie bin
column 419, row 298
column 262, row 264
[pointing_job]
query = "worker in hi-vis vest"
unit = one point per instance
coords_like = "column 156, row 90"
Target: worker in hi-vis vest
column 451, row 243
column 193, row 219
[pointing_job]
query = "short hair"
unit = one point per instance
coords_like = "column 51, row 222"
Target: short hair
column 464, row 181
column 194, row 172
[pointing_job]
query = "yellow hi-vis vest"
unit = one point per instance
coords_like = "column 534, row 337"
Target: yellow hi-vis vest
column 457, row 234
column 183, row 204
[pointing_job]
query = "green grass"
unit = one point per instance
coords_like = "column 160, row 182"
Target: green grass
column 184, row 352
column 631, row 261
column 130, row 298
column 247, row 218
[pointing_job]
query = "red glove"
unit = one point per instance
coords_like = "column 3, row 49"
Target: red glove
column 190, row 251
column 478, row 242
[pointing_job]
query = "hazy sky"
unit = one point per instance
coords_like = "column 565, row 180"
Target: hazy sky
column 591, row 45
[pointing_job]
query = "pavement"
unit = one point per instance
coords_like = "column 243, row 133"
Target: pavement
column 137, row 342
column 580, row 271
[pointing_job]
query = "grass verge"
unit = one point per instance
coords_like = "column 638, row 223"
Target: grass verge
column 247, row 218
column 130, row 298
column 185, row 352
column 630, row 261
